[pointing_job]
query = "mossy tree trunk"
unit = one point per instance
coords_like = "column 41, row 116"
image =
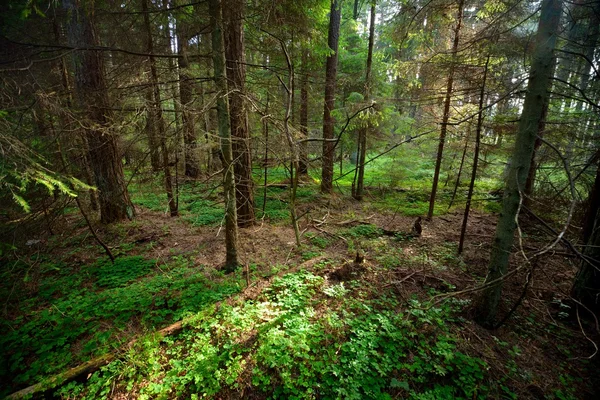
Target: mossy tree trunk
column 533, row 109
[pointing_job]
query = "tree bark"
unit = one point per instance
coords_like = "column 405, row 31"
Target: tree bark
column 463, row 228
column 186, row 97
column 82, row 156
column 362, row 132
column 233, row 17
column 446, row 115
column 231, row 233
column 593, row 204
column 586, row 287
column 460, row 167
column 92, row 99
column 537, row 94
column 156, row 113
column 330, row 78
column 303, row 164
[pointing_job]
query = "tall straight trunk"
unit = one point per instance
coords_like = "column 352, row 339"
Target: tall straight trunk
column 83, row 155
column 293, row 145
column 533, row 107
column 529, row 184
column 593, row 204
column 463, row 228
column 174, row 89
column 218, row 50
column 303, row 163
column 590, row 43
column 362, row 132
column 186, row 97
column 156, row 113
column 92, row 99
column 446, row 115
column 265, row 122
column 586, row 287
column 233, row 17
column 460, row 168
column 150, row 129
column 330, row 78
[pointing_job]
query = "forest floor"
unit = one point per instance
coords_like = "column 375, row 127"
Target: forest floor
column 304, row 322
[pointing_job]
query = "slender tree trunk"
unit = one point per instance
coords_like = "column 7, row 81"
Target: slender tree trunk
column 233, row 16
column 92, row 98
column 363, row 130
column 174, row 89
column 529, row 184
column 186, row 97
column 330, row 83
column 231, row 232
column 460, row 168
column 293, row 146
column 266, row 159
column 537, row 94
column 463, row 228
column 303, row 164
column 156, row 111
column 446, row 116
column 150, row 130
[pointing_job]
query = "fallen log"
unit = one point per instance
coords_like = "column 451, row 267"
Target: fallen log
column 86, row 368
column 95, row 364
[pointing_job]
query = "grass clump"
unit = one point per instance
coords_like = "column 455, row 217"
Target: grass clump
column 364, row 231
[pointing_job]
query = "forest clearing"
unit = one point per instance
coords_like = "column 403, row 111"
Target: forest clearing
column 303, row 199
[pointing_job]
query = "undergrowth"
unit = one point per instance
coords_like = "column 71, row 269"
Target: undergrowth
column 302, row 339
column 83, row 312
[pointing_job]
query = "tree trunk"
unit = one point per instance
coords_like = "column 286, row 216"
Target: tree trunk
column 186, row 97
column 233, row 16
column 446, row 116
column 293, row 146
column 533, row 107
column 362, row 132
column 330, row 78
column 463, row 229
column 150, row 129
column 82, row 155
column 231, row 233
column 460, row 167
column 586, row 287
column 529, row 184
column 156, row 113
column 303, row 164
column 593, row 205
column 92, row 98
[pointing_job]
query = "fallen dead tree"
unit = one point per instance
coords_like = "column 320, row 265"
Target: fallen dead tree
column 95, row 364
column 86, row 368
